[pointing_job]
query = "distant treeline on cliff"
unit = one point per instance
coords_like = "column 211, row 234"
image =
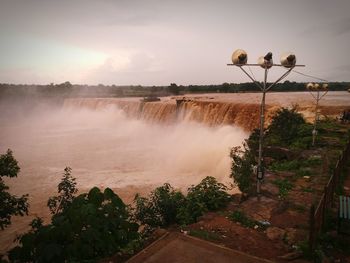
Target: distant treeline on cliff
column 67, row 89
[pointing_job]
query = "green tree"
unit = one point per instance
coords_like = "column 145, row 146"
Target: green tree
column 10, row 205
column 243, row 160
column 174, row 89
column 92, row 226
column 208, row 195
column 66, row 190
column 285, row 126
column 160, row 208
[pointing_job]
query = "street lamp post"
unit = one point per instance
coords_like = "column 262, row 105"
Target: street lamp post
column 318, row 92
column 288, row 61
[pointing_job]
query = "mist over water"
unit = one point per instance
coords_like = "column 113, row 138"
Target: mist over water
column 107, row 149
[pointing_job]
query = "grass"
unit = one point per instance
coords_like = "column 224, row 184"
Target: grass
column 284, row 186
column 240, row 217
column 307, row 189
column 286, row 165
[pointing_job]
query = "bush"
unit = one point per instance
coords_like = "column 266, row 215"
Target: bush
column 90, row 227
column 10, row 205
column 208, row 195
column 286, row 127
column 160, row 208
column 242, row 168
column 166, row 206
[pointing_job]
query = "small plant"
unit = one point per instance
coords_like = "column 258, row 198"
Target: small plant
column 313, row 161
column 284, row 186
column 307, row 189
column 240, row 217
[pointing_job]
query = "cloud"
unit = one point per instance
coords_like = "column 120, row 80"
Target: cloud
column 134, row 68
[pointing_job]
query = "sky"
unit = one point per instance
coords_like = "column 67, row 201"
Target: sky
column 158, row 42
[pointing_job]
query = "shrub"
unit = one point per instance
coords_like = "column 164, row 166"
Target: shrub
column 10, row 205
column 208, row 195
column 166, row 206
column 285, row 126
column 242, row 168
column 92, row 226
column 160, row 208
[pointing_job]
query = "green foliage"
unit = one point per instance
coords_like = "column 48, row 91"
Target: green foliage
column 92, row 226
column 208, row 195
column 284, row 186
column 286, row 127
column 286, row 165
column 242, row 168
column 174, row 89
column 240, row 217
column 300, row 168
column 66, row 190
column 10, row 205
column 166, row 206
column 160, row 208
column 8, row 165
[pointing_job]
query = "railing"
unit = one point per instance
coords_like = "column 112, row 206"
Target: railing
column 317, row 213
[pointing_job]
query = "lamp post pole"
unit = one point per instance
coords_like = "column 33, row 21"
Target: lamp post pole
column 239, row 58
column 314, row 87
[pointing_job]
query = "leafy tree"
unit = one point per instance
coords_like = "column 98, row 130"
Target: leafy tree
column 166, row 206
column 10, row 205
column 161, row 208
column 208, row 195
column 66, row 189
column 174, row 89
column 285, row 126
column 243, row 160
column 92, row 226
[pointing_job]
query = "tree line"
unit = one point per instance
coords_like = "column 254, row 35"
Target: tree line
column 67, row 89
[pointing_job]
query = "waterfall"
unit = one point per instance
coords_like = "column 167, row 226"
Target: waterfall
column 211, row 113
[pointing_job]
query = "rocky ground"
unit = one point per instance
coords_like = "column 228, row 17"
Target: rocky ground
column 275, row 226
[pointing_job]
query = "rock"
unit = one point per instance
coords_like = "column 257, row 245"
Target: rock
column 259, row 210
column 275, row 233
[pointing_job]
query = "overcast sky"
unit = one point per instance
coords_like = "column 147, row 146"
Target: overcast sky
column 158, row 42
